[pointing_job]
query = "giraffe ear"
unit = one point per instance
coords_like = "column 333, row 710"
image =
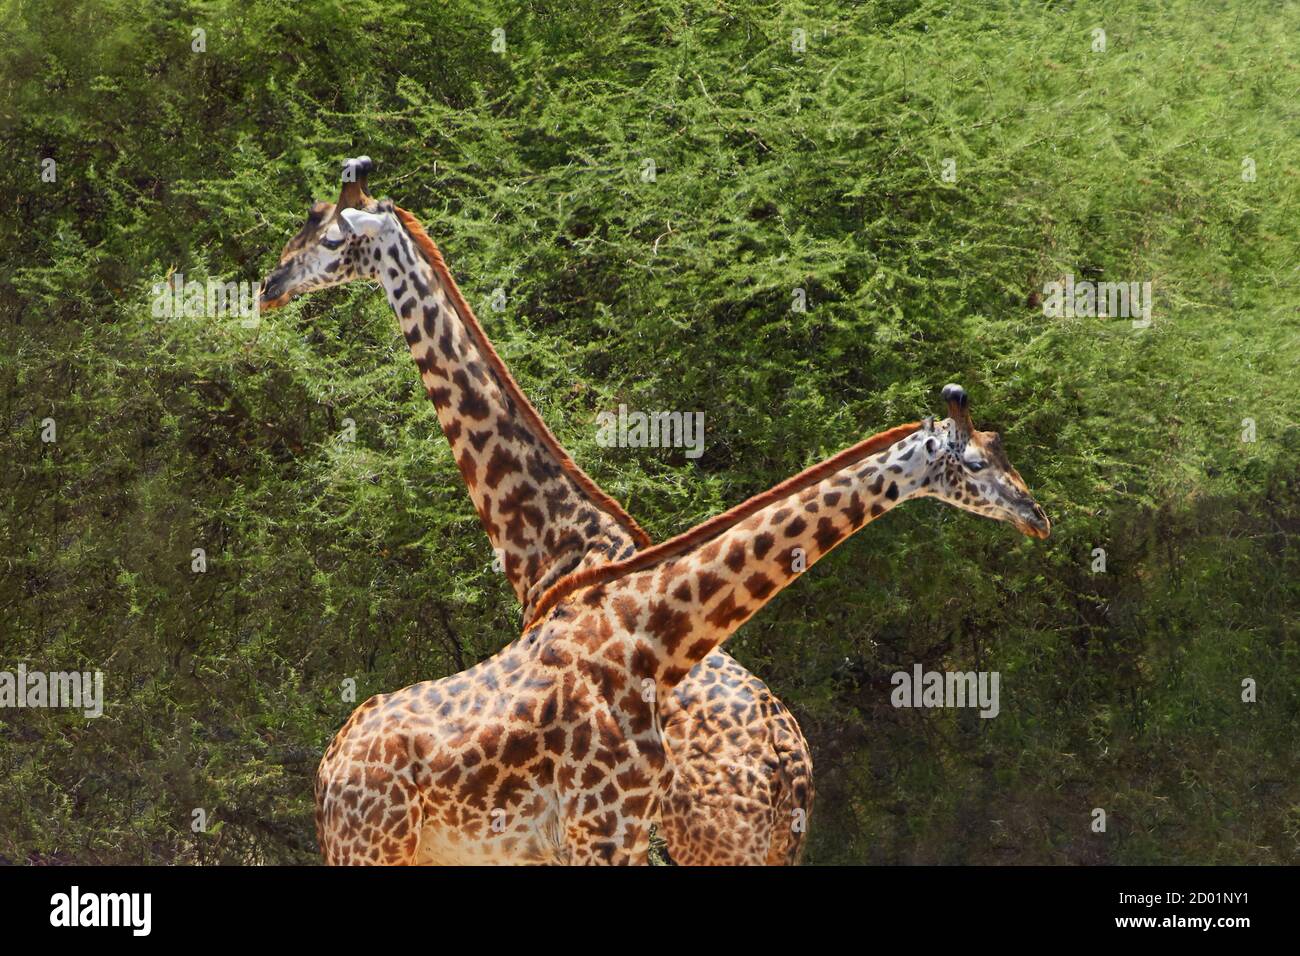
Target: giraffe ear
column 361, row 223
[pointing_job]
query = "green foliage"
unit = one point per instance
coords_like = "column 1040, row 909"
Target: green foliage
column 774, row 170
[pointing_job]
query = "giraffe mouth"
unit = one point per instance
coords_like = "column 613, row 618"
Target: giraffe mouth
column 276, row 289
column 1035, row 525
column 266, row 305
column 271, row 297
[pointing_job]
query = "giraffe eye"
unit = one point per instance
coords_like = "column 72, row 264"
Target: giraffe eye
column 975, row 465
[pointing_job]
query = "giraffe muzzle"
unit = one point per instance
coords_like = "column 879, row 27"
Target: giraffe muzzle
column 1034, row 523
column 273, row 295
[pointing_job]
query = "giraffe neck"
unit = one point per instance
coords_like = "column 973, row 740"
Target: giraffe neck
column 678, row 609
column 543, row 515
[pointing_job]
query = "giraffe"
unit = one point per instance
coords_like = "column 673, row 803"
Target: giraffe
column 565, row 765
column 742, row 766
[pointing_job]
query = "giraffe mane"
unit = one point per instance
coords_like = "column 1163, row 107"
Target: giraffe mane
column 530, row 414
column 714, row 526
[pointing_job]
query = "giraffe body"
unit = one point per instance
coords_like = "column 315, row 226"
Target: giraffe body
column 745, row 768
column 573, row 753
column 387, row 785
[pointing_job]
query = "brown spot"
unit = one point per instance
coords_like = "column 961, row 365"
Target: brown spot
column 736, row 556
column 785, row 560
column 855, row 512
column 644, row 662
column 672, row 677
column 636, row 807
column 795, row 528
column 550, row 707
column 727, row 612
column 544, row 772
column 510, row 790
column 667, row 624
column 607, row 680
column 827, row 534
column 524, row 709
column 636, row 711
column 633, row 779
column 520, row 747
column 628, row 611
column 581, row 741
column 699, row 650
column 468, row 468
column 489, row 739
column 427, row 363
column 709, row 584
column 760, row 585
column 553, row 656
column 499, row 465
column 472, row 403
column 473, row 791
column 554, row 739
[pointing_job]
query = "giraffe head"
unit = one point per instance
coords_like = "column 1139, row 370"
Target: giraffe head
column 339, row 242
column 970, row 470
